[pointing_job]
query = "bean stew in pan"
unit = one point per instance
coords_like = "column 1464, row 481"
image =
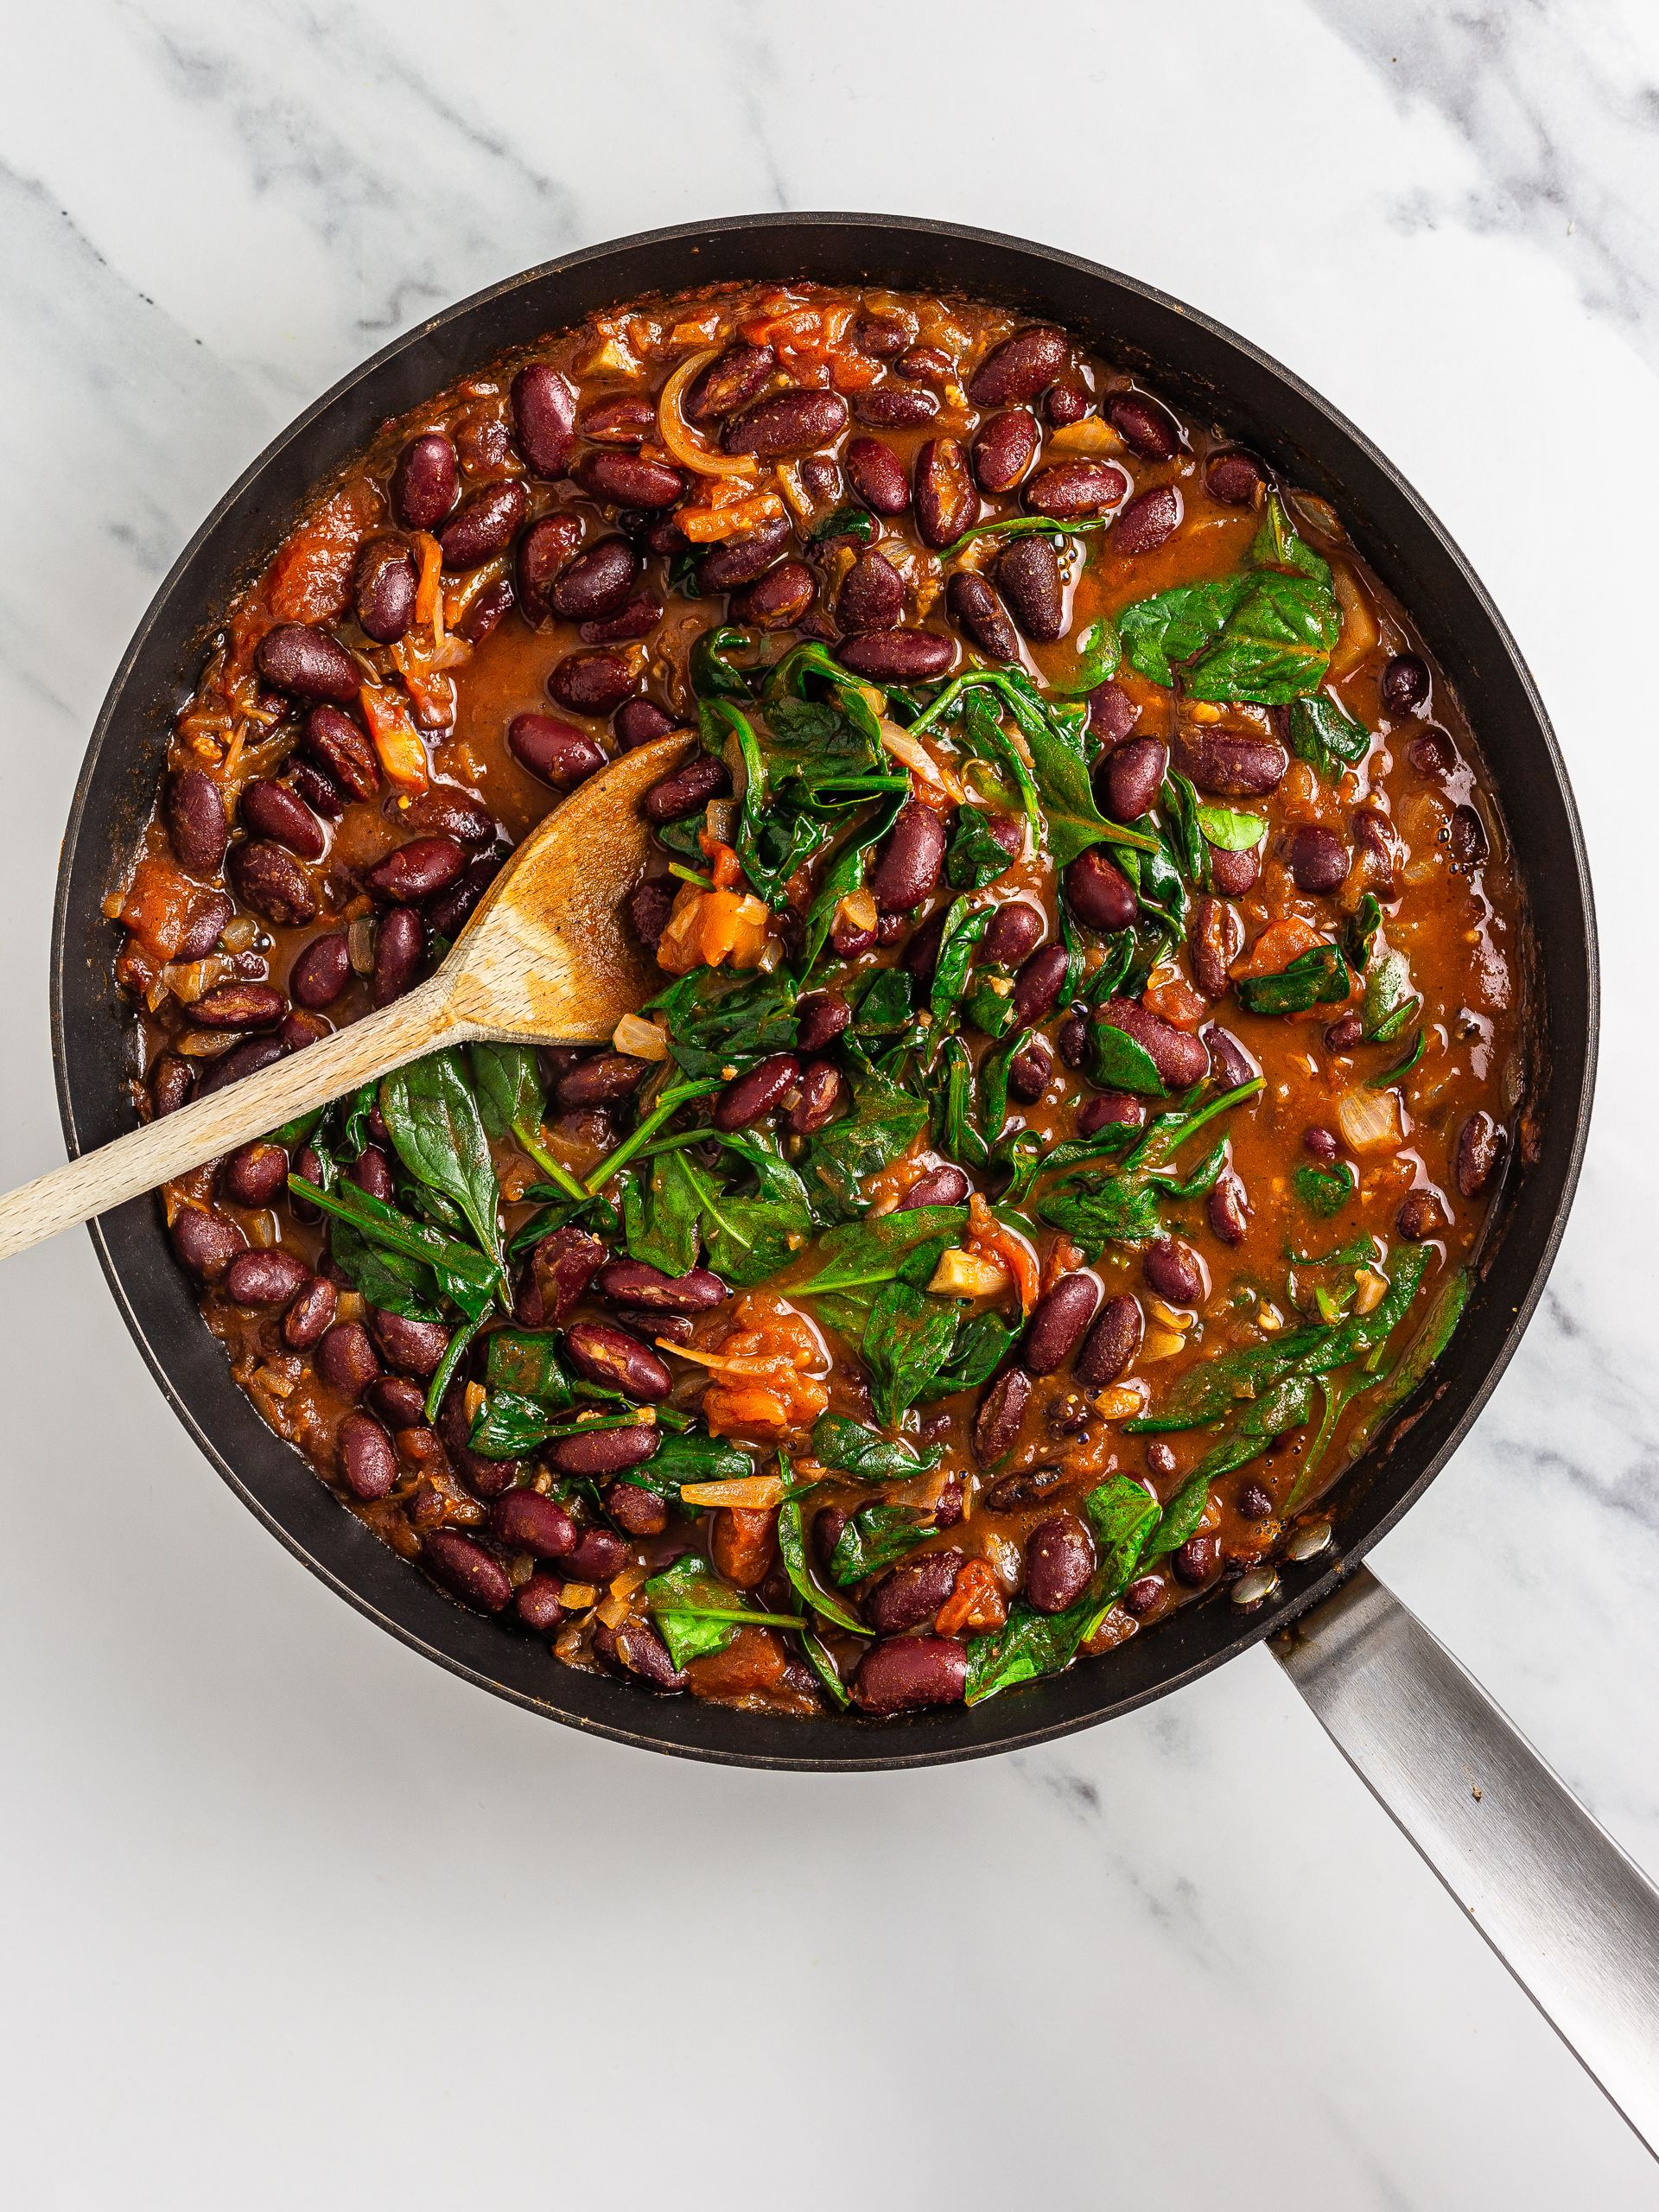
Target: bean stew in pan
column 1091, row 1015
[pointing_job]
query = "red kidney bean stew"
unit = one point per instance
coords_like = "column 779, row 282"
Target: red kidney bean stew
column 1090, row 1031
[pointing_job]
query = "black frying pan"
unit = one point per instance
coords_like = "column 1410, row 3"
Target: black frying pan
column 1207, row 370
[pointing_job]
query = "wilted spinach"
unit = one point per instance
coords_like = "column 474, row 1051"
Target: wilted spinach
column 1316, row 977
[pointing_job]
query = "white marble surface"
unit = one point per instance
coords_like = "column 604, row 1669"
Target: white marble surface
column 290, row 1916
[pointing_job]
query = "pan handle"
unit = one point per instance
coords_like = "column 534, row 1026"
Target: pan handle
column 1574, row 1919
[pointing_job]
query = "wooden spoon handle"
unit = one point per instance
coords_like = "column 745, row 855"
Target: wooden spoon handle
column 230, row 1117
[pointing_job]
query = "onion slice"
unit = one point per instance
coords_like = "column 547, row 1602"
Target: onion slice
column 675, row 434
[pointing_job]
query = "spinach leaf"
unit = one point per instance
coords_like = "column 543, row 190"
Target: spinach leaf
column 717, row 1020
column 1390, row 1076
column 1325, row 1190
column 823, row 1667
column 1172, row 626
column 874, row 1251
column 874, row 1537
column 792, row 1546
column 883, row 1122
column 886, row 1002
column 1391, row 1001
column 973, row 857
column 1231, row 831
column 461, row 1273
column 751, row 1237
column 1099, row 1209
column 663, row 1210
column 1359, row 933
column 526, row 1363
column 434, row 1122
column 1118, row 1205
column 1060, row 767
column 391, row 1281
column 981, row 1343
column 1324, row 734
column 1030, row 1643
column 509, row 1086
column 692, row 1458
column 1277, row 545
column 844, row 876
column 962, row 931
column 1117, row 1063
column 713, row 674
column 1183, row 832
column 993, row 1072
column 1098, row 654
column 1316, row 977
column 843, row 522
column 852, row 1449
column 698, row 1613
column 510, row 1427
column 954, row 1123
column 990, row 1011
column 908, row 1339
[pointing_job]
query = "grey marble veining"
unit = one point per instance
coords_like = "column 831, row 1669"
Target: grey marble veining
column 262, row 1860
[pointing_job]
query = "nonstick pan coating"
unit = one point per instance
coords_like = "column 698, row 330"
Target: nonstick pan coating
column 1207, row 368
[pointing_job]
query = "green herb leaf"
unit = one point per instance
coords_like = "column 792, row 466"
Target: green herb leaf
column 697, row 1614
column 962, row 931
column 852, row 1449
column 1390, row 1076
column 874, row 1251
column 792, row 1546
column 1326, row 735
column 1231, row 831
column 874, row 1537
column 1316, row 977
column 884, row 1122
column 1325, row 1190
column 1117, row 1063
column 973, row 857
column 434, row 1122
column 843, row 522
column 526, row 1363
column 906, row 1340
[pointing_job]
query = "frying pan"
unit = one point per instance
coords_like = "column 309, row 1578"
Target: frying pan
column 1570, row 1914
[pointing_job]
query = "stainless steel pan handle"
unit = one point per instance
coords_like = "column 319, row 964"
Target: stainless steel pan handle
column 1574, row 1919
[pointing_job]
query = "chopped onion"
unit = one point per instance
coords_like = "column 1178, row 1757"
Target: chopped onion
column 751, row 1493
column 857, row 912
column 639, row 1039
column 721, row 818
column 1369, row 1119
column 675, row 434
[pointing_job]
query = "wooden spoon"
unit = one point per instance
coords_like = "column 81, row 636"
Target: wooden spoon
column 544, row 961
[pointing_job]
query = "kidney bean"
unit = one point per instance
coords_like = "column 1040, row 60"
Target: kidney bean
column 1111, row 1343
column 1174, row 1271
column 1375, row 835
column 372, row 1172
column 1180, row 1059
column 702, row 778
column 246, row 1058
column 1405, row 685
column 941, row 1186
column 896, row 655
column 1099, row 892
column 603, row 1451
column 1060, row 1559
column 316, row 788
column 368, row 1465
column 883, row 336
column 729, row 565
column 196, row 827
column 1234, row 477
column 639, row 1511
column 904, row 1672
column 311, row 1315
column 266, row 880
column 1111, row 1107
column 466, row 1570
column 417, row 870
column 346, row 1360
column 944, row 495
column 1142, row 424
column 1001, row 1410
column 1234, row 873
column 451, row 910
column 302, row 1029
column 383, row 587
column 598, row 1554
column 788, row 422
column 271, row 811
column 1028, row 571
column 1021, row 367
column 611, row 1356
column 1004, row 450
column 910, row 861
column 592, row 684
column 484, row 1477
column 171, row 1081
column 1432, row 753
column 896, row 407
column 728, row 383
column 623, row 421
column 913, row 1593
column 1146, row 523
column 649, row 906
column 344, row 750
column 1215, row 941
column 1228, row 1208
column 1196, row 1560
column 416, row 1347
column 255, row 1175
column 442, row 810
column 756, row 1092
column 1480, row 1147
column 1065, row 402
column 978, row 613
column 1255, row 1501
column 872, row 595
column 1343, row 1034
column 483, row 525
column 1468, row 837
column 1160, row 1460
column 560, row 1268
column 601, row 1079
column 536, row 1604
column 1318, row 860
column 1030, row 1072
column 239, row 1006
column 424, row 481
column 1015, row 929
column 308, row 663
column 208, row 916
column 822, row 1098
column 400, row 948
column 1009, row 831
column 1112, row 713
column 823, row 1015
column 1230, row 767
column 556, row 752
column 543, row 551
column 641, row 721
column 596, row 582
column 1058, row 1322
column 1321, row 1144
column 1142, row 1594
column 776, row 599
column 628, row 480
column 636, row 1283
column 1038, row 985
column 1012, row 1493
column 849, row 943
column 543, row 418
column 1133, row 775
column 524, row 1520
column 878, row 476
column 637, row 619
column 483, row 612
column 925, row 364
column 206, row 1243
column 1073, row 489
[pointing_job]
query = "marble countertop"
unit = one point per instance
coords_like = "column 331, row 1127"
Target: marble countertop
column 291, row 1915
